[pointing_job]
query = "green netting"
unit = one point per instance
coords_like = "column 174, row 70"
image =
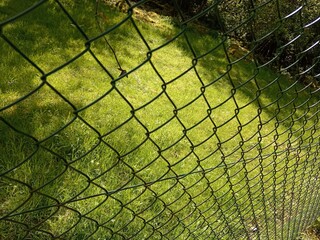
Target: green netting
column 202, row 126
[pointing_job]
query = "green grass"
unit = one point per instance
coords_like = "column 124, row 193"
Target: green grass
column 143, row 156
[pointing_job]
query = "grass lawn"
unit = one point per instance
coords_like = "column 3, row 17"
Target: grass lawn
column 193, row 142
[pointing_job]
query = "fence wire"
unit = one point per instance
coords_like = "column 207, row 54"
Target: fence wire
column 102, row 138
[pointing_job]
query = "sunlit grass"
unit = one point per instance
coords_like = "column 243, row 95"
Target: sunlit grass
column 182, row 147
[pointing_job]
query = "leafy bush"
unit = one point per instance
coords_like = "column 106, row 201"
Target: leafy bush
column 282, row 32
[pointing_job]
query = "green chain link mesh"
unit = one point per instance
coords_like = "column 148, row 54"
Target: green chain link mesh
column 125, row 163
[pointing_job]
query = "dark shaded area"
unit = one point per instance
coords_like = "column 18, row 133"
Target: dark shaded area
column 294, row 41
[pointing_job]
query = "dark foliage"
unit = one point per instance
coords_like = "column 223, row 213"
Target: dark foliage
column 279, row 32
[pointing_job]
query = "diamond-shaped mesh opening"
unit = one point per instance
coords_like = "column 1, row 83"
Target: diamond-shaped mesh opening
column 61, row 49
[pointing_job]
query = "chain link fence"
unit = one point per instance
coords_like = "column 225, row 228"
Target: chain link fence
column 114, row 128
